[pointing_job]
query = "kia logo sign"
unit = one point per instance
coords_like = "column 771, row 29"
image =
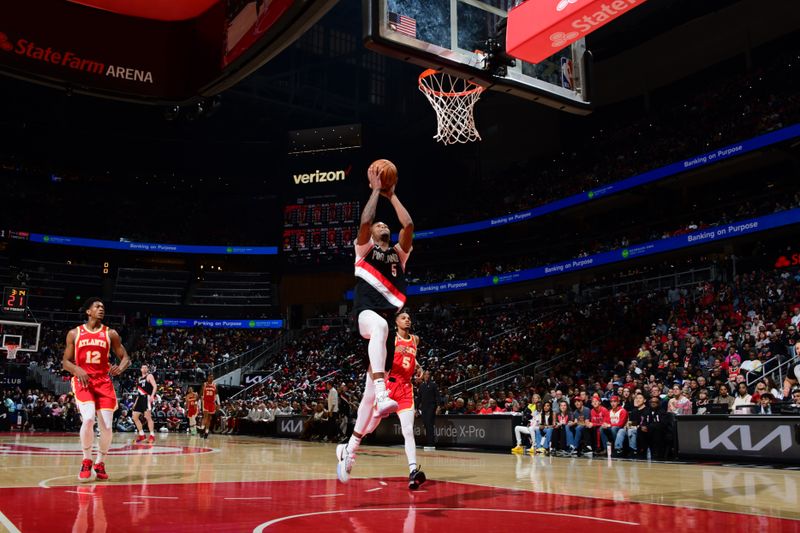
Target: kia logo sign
column 781, row 433
column 253, row 379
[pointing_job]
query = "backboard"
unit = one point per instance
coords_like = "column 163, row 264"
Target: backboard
column 451, row 35
column 23, row 335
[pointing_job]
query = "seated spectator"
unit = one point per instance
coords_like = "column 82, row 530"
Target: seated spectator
column 125, row 422
column 794, row 407
column 490, row 408
column 725, row 397
column 700, row 405
column 530, row 423
column 742, row 399
column 752, row 364
column 458, row 408
column 544, row 431
column 679, row 404
column 576, row 428
column 316, row 425
column 653, row 430
column 618, row 420
column 598, row 420
column 560, row 438
column 764, row 404
column 631, row 429
column 760, row 388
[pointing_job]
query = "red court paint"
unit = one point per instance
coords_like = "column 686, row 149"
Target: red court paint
column 326, row 505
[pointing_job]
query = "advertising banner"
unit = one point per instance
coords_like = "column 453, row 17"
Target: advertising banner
column 254, row 378
column 650, row 176
column 153, row 247
column 537, row 30
column 214, row 324
column 456, row 431
column 704, row 236
column 759, row 438
column 289, row 426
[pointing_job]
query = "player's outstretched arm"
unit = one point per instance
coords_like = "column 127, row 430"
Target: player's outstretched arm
column 368, row 214
column 121, row 353
column 407, row 232
column 68, row 361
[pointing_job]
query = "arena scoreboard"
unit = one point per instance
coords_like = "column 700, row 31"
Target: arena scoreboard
column 319, row 229
column 15, row 299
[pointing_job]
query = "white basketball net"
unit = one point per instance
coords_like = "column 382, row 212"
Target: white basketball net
column 453, row 99
column 11, row 351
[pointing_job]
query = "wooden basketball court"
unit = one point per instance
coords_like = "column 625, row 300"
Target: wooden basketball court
column 239, row 483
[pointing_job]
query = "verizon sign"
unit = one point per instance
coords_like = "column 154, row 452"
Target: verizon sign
column 537, row 29
column 321, row 176
column 763, row 438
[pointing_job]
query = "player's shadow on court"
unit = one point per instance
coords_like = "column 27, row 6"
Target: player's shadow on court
column 177, row 476
column 466, row 495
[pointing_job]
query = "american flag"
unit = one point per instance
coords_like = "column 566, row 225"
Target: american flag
column 403, row 24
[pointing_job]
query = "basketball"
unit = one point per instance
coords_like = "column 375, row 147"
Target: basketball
column 387, row 171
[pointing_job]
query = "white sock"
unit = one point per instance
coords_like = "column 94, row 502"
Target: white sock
column 87, row 453
column 353, row 444
column 152, row 434
column 380, row 387
column 101, row 457
column 141, row 433
column 412, row 467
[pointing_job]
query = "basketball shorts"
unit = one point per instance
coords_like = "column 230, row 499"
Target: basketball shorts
column 401, row 392
column 141, row 404
column 192, row 411
column 99, row 391
column 209, row 408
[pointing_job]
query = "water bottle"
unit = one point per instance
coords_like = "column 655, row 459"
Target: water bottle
column 608, row 450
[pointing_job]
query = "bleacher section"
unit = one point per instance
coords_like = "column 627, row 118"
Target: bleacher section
column 232, row 289
column 5, row 272
column 163, row 287
column 50, row 282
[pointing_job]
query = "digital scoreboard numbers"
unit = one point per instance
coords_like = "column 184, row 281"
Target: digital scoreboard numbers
column 15, row 299
column 317, row 231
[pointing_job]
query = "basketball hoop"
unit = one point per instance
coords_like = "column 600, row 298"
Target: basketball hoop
column 11, row 351
column 453, row 99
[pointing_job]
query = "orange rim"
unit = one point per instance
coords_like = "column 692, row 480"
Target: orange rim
column 430, row 72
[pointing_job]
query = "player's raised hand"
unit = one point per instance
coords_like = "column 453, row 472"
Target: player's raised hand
column 388, row 193
column 374, row 175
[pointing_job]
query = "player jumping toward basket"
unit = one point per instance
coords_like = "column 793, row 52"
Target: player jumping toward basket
column 380, row 292
column 86, row 358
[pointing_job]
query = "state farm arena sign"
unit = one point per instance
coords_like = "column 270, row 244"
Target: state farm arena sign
column 90, row 50
column 71, row 60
